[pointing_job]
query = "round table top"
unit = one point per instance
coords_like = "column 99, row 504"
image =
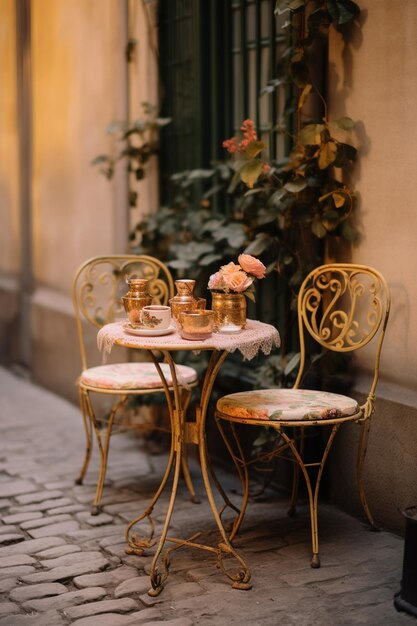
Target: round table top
column 254, row 337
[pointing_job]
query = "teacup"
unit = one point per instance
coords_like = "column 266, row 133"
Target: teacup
column 155, row 317
column 196, row 325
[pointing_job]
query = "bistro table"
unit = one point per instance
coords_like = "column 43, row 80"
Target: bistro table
column 255, row 337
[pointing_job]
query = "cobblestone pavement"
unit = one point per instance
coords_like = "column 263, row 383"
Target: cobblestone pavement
column 59, row 565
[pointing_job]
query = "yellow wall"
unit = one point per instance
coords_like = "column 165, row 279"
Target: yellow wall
column 373, row 80
column 9, row 221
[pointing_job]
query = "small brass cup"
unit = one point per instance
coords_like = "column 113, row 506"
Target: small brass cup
column 197, row 324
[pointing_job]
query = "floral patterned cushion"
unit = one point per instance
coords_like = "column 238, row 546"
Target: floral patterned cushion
column 134, row 376
column 287, row 404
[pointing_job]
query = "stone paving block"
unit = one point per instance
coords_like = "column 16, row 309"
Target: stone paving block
column 4, row 502
column 21, row 517
column 138, row 584
column 7, row 584
column 54, row 553
column 41, row 506
column 8, row 608
column 70, row 559
column 63, row 573
column 71, row 598
column 94, row 520
column 111, row 619
column 124, row 605
column 62, row 528
column 17, row 570
column 15, row 487
column 32, row 592
column 310, row 575
column 59, row 484
column 11, row 538
column 111, row 577
column 39, row 496
column 96, row 533
column 44, row 521
column 121, row 507
column 112, row 540
column 70, row 508
column 8, row 528
column 19, row 559
column 51, row 618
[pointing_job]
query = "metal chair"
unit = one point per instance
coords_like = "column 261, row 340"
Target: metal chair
column 343, row 307
column 98, row 286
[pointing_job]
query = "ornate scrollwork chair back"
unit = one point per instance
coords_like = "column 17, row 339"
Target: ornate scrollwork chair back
column 343, row 307
column 98, row 287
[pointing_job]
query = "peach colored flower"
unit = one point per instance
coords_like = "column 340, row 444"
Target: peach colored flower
column 252, row 266
column 230, row 268
column 216, row 281
column 237, row 281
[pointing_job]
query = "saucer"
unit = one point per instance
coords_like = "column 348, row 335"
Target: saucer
column 148, row 332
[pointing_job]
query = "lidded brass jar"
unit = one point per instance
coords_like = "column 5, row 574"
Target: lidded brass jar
column 185, row 300
column 136, row 298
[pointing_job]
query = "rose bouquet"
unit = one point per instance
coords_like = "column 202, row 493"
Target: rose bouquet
column 238, row 277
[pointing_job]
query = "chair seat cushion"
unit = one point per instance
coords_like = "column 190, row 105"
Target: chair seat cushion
column 287, row 405
column 134, row 376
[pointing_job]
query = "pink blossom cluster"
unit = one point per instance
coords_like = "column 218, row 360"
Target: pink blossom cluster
column 249, row 134
column 237, row 277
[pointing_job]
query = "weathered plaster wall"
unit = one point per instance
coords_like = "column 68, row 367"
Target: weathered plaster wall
column 80, row 84
column 372, row 80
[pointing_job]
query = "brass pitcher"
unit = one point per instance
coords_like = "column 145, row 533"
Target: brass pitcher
column 136, row 298
column 185, row 300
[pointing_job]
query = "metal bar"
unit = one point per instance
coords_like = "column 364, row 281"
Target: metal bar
column 24, row 125
column 243, row 59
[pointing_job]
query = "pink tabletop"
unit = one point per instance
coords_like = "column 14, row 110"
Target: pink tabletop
column 256, row 336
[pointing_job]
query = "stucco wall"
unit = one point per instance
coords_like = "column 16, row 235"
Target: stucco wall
column 372, row 80
column 81, row 83
column 9, row 218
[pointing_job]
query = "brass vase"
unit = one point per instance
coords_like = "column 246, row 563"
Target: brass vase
column 229, row 311
column 136, row 298
column 184, row 300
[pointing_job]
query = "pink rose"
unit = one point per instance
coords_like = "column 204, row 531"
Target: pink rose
column 252, row 266
column 237, row 281
column 230, row 268
column 216, row 281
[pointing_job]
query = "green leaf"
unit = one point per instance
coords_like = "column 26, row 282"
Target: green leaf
column 345, row 155
column 310, row 134
column 346, row 123
column 254, row 148
column 304, row 95
column 287, row 5
column 330, row 220
column 318, row 229
column 209, row 259
column 327, row 154
column 292, row 364
column 261, row 242
column 349, row 232
column 250, row 172
column 319, row 22
column 179, row 264
column 338, row 199
column 300, row 74
column 342, row 11
column 275, row 199
column 294, row 186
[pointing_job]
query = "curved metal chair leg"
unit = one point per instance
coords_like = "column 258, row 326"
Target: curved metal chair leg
column 89, row 439
column 296, row 480
column 103, row 448
column 363, row 444
column 313, row 494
